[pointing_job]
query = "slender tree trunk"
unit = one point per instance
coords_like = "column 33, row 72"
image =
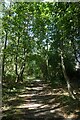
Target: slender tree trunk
column 16, row 61
column 3, row 59
column 20, row 75
column 66, row 77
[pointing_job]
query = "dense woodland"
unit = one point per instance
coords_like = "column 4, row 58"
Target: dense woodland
column 41, row 41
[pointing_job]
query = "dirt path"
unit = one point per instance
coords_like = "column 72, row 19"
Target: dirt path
column 38, row 101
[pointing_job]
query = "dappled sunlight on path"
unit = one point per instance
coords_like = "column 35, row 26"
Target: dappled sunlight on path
column 40, row 101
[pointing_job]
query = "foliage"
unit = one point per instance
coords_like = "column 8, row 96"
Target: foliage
column 36, row 32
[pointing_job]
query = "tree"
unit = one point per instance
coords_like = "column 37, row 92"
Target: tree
column 42, row 32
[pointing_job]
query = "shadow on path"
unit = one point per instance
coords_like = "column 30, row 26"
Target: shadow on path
column 38, row 101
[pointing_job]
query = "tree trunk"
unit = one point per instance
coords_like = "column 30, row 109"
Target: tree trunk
column 19, row 75
column 3, row 59
column 16, row 61
column 70, row 90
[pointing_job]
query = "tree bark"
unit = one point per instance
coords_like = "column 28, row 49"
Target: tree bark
column 3, row 59
column 20, row 74
column 66, row 77
column 16, row 61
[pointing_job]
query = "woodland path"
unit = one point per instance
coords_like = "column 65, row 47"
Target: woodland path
column 38, row 101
